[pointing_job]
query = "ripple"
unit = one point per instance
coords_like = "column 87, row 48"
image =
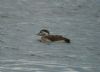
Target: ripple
column 4, row 16
column 1, row 41
column 20, row 68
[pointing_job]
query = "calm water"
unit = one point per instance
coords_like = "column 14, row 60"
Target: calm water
column 78, row 20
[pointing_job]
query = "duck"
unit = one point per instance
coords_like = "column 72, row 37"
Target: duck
column 47, row 37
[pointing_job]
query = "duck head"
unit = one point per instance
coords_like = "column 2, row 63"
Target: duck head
column 43, row 32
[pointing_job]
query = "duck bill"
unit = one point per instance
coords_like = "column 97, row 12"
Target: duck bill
column 38, row 34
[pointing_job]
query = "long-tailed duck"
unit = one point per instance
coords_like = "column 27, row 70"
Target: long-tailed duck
column 46, row 37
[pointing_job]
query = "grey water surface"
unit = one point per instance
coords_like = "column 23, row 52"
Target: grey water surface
column 78, row 20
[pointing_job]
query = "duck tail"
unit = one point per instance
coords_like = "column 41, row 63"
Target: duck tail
column 67, row 40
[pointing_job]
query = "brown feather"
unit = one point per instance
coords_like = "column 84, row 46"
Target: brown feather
column 54, row 37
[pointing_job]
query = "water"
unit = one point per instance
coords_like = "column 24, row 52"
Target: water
column 78, row 20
